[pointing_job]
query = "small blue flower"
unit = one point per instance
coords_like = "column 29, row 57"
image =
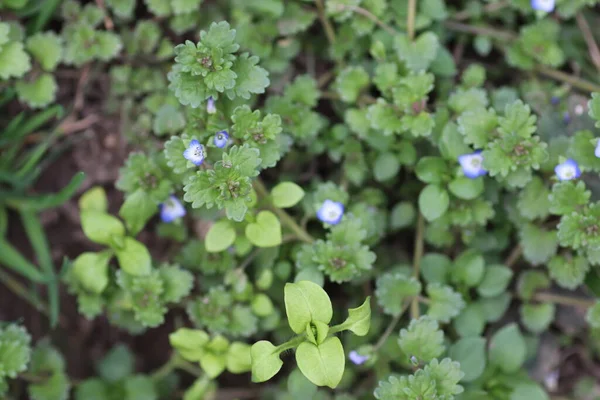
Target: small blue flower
column 195, row 152
column 210, row 106
column 555, row 100
column 566, row 118
column 543, row 5
column 221, row 139
column 472, row 164
column 567, row 170
column 357, row 358
column 597, row 151
column 171, row 209
column 331, row 212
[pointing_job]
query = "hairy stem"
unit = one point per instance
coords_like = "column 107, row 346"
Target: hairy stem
column 290, row 344
column 391, row 327
column 410, row 19
column 564, row 300
column 329, row 31
column 418, row 253
column 589, row 40
column 368, row 14
column 285, row 218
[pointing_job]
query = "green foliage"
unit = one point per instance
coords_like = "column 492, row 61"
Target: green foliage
column 423, row 339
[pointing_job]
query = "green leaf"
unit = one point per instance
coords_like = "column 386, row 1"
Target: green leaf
column 567, row 196
column 189, row 343
column 393, row 289
column 386, row 167
column 423, row 339
column 534, row 200
column 433, row 202
column 435, row 268
column 537, row 317
column 470, row 353
column 568, row 272
column 444, row 302
column 91, row 270
column 39, row 92
column 137, row 209
column 446, row 374
column 239, row 358
column 14, row 62
column 220, row 236
column 508, row 349
column 46, row 48
column 117, row 364
column 592, row 315
column 478, row 126
column 286, row 194
column 539, row 245
column 350, row 82
column 383, row 117
column 495, row 281
column 359, row 319
column 101, row 227
column 306, row 302
column 469, row 268
column 15, row 350
column 471, row 321
column 418, row 54
column 594, row 108
column 94, row 199
column 265, row 361
column 528, row 391
column 134, row 257
column 266, row 231
column 431, row 170
column 466, row 188
column 323, row 365
column 251, row 79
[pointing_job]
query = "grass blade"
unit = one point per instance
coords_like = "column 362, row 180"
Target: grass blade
column 10, row 257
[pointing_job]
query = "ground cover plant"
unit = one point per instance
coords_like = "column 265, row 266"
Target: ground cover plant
column 301, row 199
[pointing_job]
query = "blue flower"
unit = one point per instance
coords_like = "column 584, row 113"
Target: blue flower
column 566, row 118
column 171, row 209
column 597, row 151
column 195, row 152
column 331, row 212
column 543, row 5
column 221, row 139
column 472, row 164
column 567, row 170
column 210, row 106
column 555, row 100
column 357, row 358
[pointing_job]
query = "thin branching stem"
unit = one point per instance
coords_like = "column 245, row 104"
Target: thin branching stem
column 418, row 254
column 410, row 19
column 329, row 31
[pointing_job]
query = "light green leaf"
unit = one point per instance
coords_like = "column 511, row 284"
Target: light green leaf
column 94, row 199
column 137, row 209
column 537, row 317
column 266, row 231
column 305, row 302
column 239, row 358
column 386, row 167
column 134, row 257
column 470, row 353
column 286, row 194
column 433, row 202
column 220, row 236
column 91, row 270
column 508, row 349
column 265, row 361
column 422, row 339
column 466, row 188
column 418, row 54
column 323, row 365
column 189, row 343
column 528, row 391
column 495, row 280
column 14, row 62
column 359, row 319
column 101, row 227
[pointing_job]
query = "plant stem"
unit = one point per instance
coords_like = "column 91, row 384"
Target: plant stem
column 506, row 36
column 589, row 40
column 391, row 327
column 368, row 14
column 514, row 256
column 574, row 81
column 290, row 344
column 165, row 369
column 564, row 300
column 285, row 218
column 410, row 19
column 17, row 288
column 490, row 8
column 418, row 253
column 329, row 31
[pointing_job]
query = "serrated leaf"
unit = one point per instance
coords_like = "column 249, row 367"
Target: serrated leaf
column 39, row 92
column 422, row 339
column 393, row 290
column 14, row 62
column 444, row 303
column 419, row 54
column 537, row 317
column 46, row 48
column 251, row 79
column 350, row 82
